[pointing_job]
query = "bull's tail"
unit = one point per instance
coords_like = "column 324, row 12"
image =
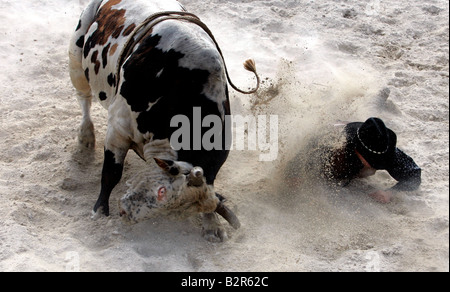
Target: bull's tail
column 249, row 65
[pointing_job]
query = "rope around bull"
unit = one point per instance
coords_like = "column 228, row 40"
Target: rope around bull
column 159, row 17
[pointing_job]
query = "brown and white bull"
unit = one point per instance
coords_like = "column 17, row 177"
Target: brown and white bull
column 146, row 62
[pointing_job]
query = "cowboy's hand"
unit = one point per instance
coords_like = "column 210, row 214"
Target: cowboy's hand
column 383, row 197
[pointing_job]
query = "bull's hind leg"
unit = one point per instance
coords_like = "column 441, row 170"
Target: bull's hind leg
column 77, row 74
column 86, row 134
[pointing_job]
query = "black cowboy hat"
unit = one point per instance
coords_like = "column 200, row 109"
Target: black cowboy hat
column 374, row 141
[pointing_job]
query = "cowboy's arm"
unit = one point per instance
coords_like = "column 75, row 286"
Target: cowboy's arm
column 406, row 172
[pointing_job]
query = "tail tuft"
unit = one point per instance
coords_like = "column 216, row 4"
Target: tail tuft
column 250, row 65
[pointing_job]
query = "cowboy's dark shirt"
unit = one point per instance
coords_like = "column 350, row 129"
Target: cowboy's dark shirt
column 344, row 165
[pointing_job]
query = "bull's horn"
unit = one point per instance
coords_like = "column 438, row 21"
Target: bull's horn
column 228, row 215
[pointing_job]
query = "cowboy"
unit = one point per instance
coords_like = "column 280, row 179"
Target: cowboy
column 369, row 147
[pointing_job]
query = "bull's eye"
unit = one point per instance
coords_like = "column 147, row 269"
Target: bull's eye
column 162, row 191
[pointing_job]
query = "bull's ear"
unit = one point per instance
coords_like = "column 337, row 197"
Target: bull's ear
column 168, row 165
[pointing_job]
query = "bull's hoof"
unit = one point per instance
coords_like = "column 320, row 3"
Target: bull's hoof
column 215, row 236
column 99, row 211
column 86, row 136
column 87, row 142
column 96, row 215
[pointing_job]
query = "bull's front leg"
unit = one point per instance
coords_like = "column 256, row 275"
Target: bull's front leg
column 111, row 175
column 114, row 156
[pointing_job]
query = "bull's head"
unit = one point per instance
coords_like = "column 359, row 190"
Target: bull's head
column 175, row 189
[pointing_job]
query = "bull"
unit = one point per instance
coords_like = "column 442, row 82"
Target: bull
column 146, row 62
